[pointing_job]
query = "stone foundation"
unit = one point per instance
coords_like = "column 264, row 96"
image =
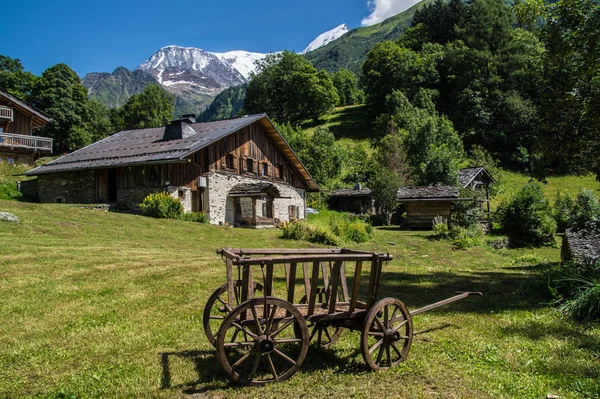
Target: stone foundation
column 72, row 188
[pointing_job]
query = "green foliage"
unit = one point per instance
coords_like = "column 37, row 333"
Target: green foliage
column 99, row 122
column 14, row 80
column 289, row 89
column 464, row 238
column 335, row 229
column 303, row 231
column 581, row 214
column 295, row 230
column 527, row 217
column 351, row 228
column 161, row 205
column 346, row 84
column 319, row 152
column 466, row 214
column 226, row 105
column 8, row 191
column 479, row 156
column 59, row 93
column 197, row 217
column 151, row 108
column 440, row 228
column 385, row 184
column 321, row 235
column 433, row 148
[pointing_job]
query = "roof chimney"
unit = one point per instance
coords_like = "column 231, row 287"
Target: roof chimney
column 190, row 117
column 358, row 186
column 179, row 129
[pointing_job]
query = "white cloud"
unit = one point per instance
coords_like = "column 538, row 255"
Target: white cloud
column 383, row 9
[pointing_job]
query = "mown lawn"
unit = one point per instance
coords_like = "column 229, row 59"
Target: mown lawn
column 97, row 304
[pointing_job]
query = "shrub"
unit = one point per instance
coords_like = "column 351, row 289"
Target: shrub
column 527, row 218
column 9, row 191
column 563, row 206
column 161, row 205
column 466, row 214
column 466, row 238
column 198, row 217
column 295, row 230
column 321, row 235
column 358, row 231
column 440, row 228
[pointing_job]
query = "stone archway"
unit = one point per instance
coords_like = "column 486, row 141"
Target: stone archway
column 252, row 204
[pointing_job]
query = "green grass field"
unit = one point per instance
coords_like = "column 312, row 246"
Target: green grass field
column 98, row 304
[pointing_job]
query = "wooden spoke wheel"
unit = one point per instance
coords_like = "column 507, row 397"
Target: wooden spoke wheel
column 216, row 308
column 261, row 341
column 387, row 334
column 324, row 335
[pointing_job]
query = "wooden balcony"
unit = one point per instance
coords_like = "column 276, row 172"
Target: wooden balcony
column 22, row 141
column 6, row 113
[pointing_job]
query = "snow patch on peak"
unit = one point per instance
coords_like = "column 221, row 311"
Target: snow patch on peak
column 325, row 38
column 242, row 61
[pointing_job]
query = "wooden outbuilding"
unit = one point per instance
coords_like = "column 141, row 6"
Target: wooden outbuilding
column 477, row 178
column 357, row 200
column 424, row 203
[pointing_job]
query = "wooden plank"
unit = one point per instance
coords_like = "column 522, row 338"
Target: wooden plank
column 324, row 267
column 306, row 279
column 344, row 282
column 313, row 291
column 335, row 282
column 269, row 281
column 372, row 278
column 302, row 258
column 230, row 284
column 291, row 282
column 355, row 285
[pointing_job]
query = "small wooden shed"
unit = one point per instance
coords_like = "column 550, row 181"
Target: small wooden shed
column 581, row 246
column 424, row 203
column 358, row 200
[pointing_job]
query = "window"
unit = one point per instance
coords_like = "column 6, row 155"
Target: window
column 293, row 210
column 10, row 161
column 279, row 171
column 265, row 169
column 196, row 158
column 230, row 161
column 249, row 165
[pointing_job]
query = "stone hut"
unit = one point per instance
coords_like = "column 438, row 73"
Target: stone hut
column 581, row 246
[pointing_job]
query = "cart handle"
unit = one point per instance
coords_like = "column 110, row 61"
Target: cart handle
column 458, row 297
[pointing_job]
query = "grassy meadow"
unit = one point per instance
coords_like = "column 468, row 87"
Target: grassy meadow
column 98, row 304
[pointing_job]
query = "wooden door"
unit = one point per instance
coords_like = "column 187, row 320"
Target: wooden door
column 102, row 186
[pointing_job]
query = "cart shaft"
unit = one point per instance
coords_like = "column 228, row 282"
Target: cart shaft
column 436, row 305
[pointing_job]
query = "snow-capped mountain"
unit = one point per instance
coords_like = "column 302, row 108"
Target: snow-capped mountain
column 325, row 38
column 175, row 65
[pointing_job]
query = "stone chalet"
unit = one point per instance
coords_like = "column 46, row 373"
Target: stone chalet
column 239, row 171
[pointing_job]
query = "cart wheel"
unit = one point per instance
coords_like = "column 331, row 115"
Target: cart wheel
column 216, row 308
column 324, row 334
column 387, row 334
column 256, row 350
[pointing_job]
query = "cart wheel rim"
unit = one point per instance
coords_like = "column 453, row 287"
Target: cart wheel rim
column 387, row 334
column 258, row 342
column 216, row 309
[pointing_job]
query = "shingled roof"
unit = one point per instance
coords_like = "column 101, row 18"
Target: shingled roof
column 350, row 192
column 467, row 175
column 427, row 193
column 581, row 246
column 39, row 118
column 148, row 146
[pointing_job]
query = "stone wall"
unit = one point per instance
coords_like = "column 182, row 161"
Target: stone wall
column 220, row 210
column 131, row 198
column 72, row 188
column 17, row 157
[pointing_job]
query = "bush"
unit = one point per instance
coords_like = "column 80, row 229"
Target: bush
column 321, row 235
column 9, row 191
column 466, row 238
column 295, row 230
column 527, row 218
column 161, row 205
column 440, row 228
column 466, row 214
column 584, row 302
column 198, row 217
column 351, row 228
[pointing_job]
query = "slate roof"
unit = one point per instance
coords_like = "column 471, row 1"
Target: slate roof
column 349, row 192
column 466, row 176
column 427, row 193
column 254, row 189
column 142, row 146
column 147, row 146
column 583, row 245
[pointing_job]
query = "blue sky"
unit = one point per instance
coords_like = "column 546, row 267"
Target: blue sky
column 98, row 36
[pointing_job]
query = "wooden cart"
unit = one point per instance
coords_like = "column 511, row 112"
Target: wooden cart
column 261, row 338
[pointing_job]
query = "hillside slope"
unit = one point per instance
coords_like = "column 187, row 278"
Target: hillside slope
column 350, row 50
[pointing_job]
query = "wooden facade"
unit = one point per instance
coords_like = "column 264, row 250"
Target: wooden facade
column 420, row 215
column 18, row 122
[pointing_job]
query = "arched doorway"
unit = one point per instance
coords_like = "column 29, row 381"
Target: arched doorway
column 252, row 204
